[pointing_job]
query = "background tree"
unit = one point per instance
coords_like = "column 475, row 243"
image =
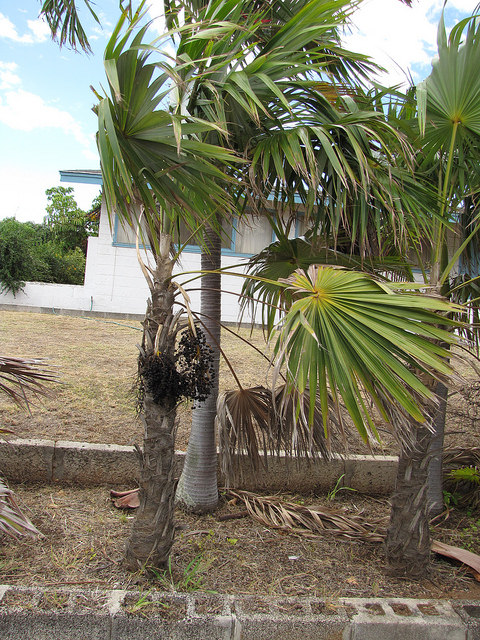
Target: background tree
column 18, row 259
column 68, row 225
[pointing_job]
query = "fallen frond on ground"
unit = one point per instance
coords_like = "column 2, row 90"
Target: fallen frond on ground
column 12, row 521
column 310, row 521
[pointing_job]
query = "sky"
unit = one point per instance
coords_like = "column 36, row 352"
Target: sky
column 46, row 118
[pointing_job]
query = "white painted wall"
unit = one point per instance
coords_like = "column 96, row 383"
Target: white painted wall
column 114, row 282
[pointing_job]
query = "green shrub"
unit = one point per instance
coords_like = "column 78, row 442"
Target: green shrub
column 18, row 256
column 60, row 266
column 27, row 255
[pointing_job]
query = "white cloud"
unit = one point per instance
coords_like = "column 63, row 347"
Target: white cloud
column 8, row 77
column 38, row 31
column 395, row 35
column 26, row 111
column 23, row 192
column 466, row 6
column 156, row 13
column 398, row 37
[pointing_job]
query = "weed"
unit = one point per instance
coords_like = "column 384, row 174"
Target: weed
column 465, row 474
column 143, row 603
column 469, row 536
column 450, row 499
column 54, row 600
column 191, row 579
column 332, row 494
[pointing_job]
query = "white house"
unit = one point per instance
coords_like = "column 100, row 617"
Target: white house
column 114, row 283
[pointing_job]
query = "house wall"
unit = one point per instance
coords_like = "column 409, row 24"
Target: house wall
column 114, row 283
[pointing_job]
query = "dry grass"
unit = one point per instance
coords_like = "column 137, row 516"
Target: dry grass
column 96, row 359
column 85, row 536
column 97, row 363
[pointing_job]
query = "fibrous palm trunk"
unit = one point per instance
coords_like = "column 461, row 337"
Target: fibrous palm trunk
column 153, row 530
column 198, row 485
column 408, row 535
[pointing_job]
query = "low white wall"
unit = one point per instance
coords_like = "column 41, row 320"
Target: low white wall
column 49, row 296
column 114, row 283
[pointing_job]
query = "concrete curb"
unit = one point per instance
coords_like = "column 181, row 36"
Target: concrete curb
column 84, row 464
column 42, row 614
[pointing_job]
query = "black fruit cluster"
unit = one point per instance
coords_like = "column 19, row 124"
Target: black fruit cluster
column 189, row 374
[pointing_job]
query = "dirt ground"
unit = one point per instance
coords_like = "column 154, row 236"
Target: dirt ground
column 96, row 362
column 85, row 538
column 85, row 535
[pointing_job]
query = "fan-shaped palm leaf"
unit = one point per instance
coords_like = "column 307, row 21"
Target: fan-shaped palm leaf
column 348, row 335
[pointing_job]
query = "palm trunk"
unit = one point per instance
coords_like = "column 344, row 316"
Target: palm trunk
column 408, row 535
column 435, row 468
column 153, row 530
column 198, row 485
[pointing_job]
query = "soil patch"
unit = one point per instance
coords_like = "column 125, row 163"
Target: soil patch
column 85, row 538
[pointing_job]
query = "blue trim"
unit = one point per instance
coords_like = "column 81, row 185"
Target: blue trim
column 82, row 177
column 188, row 249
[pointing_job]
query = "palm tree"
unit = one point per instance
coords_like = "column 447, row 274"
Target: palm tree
column 152, row 178
column 143, row 147
column 349, row 339
column 285, row 95
column 449, row 117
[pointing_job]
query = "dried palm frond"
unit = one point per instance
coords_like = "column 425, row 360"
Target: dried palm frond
column 12, row 521
column 22, row 378
column 255, row 422
column 243, row 422
column 310, row 521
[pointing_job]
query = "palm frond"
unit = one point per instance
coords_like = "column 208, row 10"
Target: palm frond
column 64, row 21
column 12, row 521
column 350, row 337
column 256, row 422
column 21, row 379
column 295, row 518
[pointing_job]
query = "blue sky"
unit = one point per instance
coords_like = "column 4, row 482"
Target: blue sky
column 46, row 122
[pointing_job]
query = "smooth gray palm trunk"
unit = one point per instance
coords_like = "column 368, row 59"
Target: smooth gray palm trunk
column 198, row 485
column 435, row 468
column 153, row 530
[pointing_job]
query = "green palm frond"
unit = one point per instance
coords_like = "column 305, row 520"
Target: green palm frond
column 151, row 158
column 448, row 98
column 64, row 22
column 350, row 337
column 280, row 259
column 449, row 120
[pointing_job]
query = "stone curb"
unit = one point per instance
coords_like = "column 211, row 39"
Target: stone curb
column 84, row 464
column 77, row 614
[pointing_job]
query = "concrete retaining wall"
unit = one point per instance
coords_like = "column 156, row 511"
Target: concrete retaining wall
column 43, row 614
column 86, row 464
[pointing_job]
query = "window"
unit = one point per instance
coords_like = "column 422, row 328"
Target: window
column 246, row 236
